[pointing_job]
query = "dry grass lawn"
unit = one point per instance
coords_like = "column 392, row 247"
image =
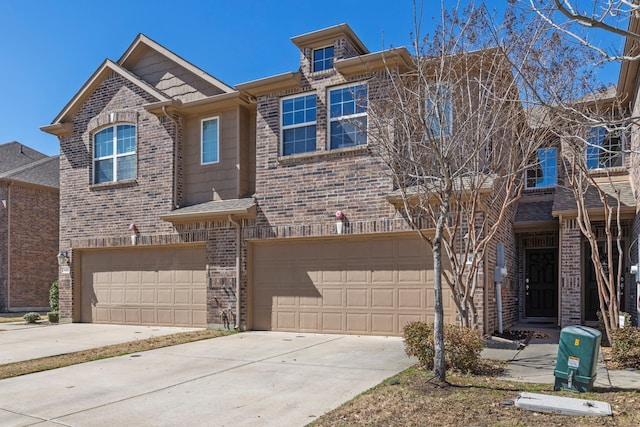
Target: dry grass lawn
column 412, row 399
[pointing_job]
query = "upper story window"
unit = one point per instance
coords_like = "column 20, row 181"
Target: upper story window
column 114, row 154
column 209, row 146
column 348, row 116
column 544, row 170
column 605, row 148
column 322, row 59
column 298, row 124
column 438, row 111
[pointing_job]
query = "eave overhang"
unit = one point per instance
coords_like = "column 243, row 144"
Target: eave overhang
column 327, row 36
column 393, row 58
column 271, row 84
column 224, row 100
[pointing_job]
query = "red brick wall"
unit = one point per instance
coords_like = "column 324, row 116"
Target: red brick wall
column 28, row 270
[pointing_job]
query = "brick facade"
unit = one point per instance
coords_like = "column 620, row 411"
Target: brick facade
column 28, row 242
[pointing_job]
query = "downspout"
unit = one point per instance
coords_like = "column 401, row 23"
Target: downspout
column 238, row 227
column 175, row 157
column 8, row 305
column 559, row 278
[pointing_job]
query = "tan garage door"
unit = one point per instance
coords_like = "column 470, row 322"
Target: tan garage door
column 150, row 286
column 354, row 286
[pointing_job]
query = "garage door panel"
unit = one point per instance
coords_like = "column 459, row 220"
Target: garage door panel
column 182, row 297
column 357, row 298
column 368, row 285
column 333, row 322
column 309, row 321
column 357, row 323
column 409, row 298
column 382, row 298
column 286, row 320
column 383, row 274
column 385, row 323
column 132, row 296
column 332, row 297
column 154, row 286
column 358, row 274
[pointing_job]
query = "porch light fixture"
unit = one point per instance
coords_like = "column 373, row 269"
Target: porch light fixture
column 63, row 258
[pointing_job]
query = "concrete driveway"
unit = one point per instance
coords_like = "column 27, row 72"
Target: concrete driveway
column 248, row 379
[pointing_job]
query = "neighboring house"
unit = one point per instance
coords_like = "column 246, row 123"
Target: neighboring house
column 29, row 212
column 189, row 202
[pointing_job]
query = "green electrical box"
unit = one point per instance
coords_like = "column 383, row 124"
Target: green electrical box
column 577, row 360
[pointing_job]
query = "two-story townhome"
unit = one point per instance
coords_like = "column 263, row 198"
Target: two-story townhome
column 188, row 202
column 28, row 227
column 156, row 157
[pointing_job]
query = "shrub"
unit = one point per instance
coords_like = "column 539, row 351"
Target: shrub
column 625, row 346
column 462, row 346
column 31, row 317
column 54, row 298
column 53, row 316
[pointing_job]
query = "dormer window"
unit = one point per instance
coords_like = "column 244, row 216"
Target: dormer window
column 322, row 59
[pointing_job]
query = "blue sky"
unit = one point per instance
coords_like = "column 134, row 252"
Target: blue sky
column 49, row 49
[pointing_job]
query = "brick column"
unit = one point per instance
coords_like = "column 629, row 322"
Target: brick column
column 570, row 273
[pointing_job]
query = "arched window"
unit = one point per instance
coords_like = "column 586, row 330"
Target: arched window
column 114, row 154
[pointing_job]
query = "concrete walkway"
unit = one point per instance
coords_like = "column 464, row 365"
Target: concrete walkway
column 536, row 362
column 248, row 379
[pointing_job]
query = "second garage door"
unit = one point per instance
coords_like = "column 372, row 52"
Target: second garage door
column 145, row 286
column 369, row 285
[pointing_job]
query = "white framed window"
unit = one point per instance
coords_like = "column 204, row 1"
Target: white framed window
column 543, row 171
column 605, row 148
column 322, row 59
column 348, row 116
column 209, row 140
column 298, row 124
column 114, row 154
column 438, row 111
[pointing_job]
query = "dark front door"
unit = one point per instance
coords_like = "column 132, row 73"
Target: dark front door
column 591, row 297
column 541, row 283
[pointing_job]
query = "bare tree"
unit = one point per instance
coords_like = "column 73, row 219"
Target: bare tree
column 594, row 127
column 454, row 131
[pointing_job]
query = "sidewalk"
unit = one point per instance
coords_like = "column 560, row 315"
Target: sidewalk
column 535, row 363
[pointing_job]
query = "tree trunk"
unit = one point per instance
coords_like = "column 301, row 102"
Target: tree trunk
column 439, row 364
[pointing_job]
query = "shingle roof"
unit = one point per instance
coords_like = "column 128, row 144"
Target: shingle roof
column 212, row 209
column 534, row 211
column 21, row 163
column 564, row 200
column 14, row 155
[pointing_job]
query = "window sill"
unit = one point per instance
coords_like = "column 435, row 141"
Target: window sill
column 111, row 185
column 618, row 170
column 324, row 154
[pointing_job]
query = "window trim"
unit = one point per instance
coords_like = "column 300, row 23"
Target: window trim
column 313, row 61
column 526, row 178
column 202, row 121
column 330, row 119
column 295, row 126
column 449, row 100
column 607, row 136
column 114, row 153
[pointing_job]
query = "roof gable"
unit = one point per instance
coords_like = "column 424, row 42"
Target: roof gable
column 169, row 72
column 57, row 126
